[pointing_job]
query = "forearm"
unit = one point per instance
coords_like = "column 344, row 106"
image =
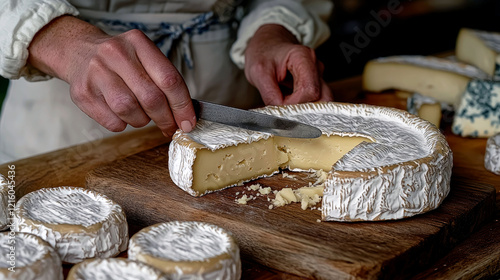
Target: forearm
column 62, row 43
column 20, row 21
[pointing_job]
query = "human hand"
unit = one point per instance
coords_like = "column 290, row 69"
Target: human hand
column 116, row 80
column 284, row 71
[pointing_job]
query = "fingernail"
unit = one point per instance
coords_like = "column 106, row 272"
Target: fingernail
column 186, row 126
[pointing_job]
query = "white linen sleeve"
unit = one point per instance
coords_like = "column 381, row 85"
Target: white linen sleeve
column 306, row 19
column 20, row 20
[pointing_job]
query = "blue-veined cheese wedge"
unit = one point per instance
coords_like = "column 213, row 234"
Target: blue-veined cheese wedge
column 478, row 114
column 480, row 48
column 382, row 163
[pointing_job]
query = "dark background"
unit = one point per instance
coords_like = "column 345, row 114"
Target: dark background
column 421, row 27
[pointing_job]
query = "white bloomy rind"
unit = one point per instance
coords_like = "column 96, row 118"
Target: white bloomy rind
column 114, row 268
column 34, row 258
column 405, row 171
column 492, row 155
column 79, row 223
column 188, row 250
column 4, row 203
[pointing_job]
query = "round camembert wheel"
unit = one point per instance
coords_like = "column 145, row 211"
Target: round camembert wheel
column 188, row 250
column 77, row 222
column 25, row 256
column 382, row 163
column 114, row 268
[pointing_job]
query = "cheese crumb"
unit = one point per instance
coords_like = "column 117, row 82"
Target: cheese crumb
column 254, row 187
column 243, row 199
column 308, row 196
column 265, row 190
column 284, row 197
column 286, row 175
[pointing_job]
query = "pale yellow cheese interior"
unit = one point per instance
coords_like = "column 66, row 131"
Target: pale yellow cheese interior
column 471, row 49
column 431, row 113
column 441, row 85
column 213, row 170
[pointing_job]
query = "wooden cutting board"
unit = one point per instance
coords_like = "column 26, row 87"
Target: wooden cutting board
column 291, row 239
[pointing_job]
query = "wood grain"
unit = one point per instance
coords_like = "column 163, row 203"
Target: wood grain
column 477, row 257
column 68, row 167
column 290, row 239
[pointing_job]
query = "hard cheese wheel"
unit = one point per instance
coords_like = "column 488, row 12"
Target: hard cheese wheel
column 383, row 163
column 440, row 78
column 480, row 48
column 33, row 259
column 4, row 203
column 114, row 268
column 79, row 223
column 492, row 156
column 188, row 250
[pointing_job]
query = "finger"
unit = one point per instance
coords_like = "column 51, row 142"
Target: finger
column 94, row 106
column 121, row 99
column 155, row 104
column 306, row 82
column 166, row 77
column 151, row 99
column 266, row 82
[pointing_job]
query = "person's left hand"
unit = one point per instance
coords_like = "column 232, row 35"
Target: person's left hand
column 284, row 71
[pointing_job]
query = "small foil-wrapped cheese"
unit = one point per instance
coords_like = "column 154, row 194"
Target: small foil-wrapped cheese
column 26, row 256
column 77, row 222
column 188, row 250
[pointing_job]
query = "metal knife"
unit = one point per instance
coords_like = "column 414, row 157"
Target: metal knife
column 253, row 120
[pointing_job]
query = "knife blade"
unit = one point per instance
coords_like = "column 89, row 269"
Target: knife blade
column 254, row 120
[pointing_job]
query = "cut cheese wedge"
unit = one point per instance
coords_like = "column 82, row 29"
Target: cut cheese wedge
column 481, row 49
column 492, row 155
column 188, row 250
column 425, row 107
column 25, row 256
column 4, row 203
column 77, row 222
column 442, row 79
column 114, row 268
column 383, row 163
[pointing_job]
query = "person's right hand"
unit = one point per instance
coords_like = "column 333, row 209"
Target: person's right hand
column 116, row 80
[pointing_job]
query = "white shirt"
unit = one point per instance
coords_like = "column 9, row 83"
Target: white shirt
column 40, row 117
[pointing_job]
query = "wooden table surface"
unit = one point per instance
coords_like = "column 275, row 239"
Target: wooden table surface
column 478, row 257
